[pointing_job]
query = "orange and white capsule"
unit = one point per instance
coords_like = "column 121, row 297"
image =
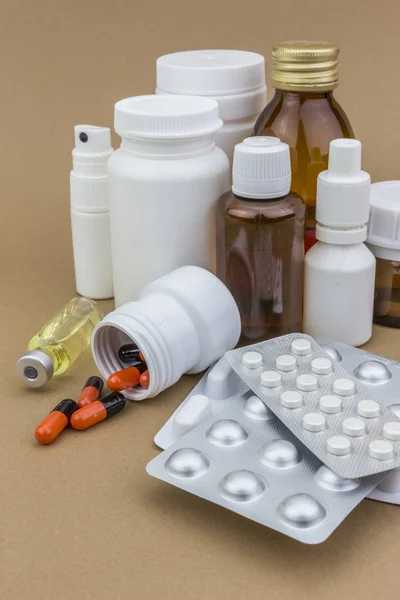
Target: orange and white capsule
column 55, row 422
column 127, row 378
column 91, row 391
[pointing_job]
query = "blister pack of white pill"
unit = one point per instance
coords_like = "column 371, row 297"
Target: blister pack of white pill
column 246, row 460
column 335, row 415
column 382, row 376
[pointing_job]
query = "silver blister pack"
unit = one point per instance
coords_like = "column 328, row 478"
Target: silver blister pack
column 246, row 460
column 335, row 415
column 382, row 376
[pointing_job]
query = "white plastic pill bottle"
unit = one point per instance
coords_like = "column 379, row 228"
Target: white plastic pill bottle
column 339, row 269
column 234, row 78
column 164, row 182
column 182, row 323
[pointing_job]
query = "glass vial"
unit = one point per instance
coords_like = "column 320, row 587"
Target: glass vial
column 304, row 114
column 260, row 240
column 59, row 343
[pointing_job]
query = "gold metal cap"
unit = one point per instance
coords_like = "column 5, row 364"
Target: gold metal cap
column 305, row 66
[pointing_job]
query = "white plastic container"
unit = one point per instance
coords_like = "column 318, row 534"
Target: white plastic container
column 234, row 78
column 339, row 269
column 182, row 323
column 164, row 182
column 90, row 221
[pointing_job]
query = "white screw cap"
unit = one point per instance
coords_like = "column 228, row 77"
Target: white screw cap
column 384, row 221
column 166, row 117
column 261, row 168
column 343, row 190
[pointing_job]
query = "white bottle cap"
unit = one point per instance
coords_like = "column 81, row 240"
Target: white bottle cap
column 261, row 168
column 219, row 74
column 384, row 221
column 89, row 175
column 343, row 194
column 166, row 117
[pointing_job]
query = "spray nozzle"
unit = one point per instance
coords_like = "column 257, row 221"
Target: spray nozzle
column 90, row 139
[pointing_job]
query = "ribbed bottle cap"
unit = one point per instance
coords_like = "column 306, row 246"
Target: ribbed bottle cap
column 261, row 168
column 343, row 190
column 384, row 221
column 305, row 66
column 210, row 72
column 166, row 117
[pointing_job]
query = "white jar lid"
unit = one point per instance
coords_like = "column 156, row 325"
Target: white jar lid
column 210, row 72
column 384, row 221
column 166, row 117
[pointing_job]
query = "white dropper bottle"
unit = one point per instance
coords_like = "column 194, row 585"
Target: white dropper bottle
column 90, row 219
column 339, row 269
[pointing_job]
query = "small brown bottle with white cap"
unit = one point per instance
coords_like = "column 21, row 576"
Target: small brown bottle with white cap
column 260, row 240
column 59, row 343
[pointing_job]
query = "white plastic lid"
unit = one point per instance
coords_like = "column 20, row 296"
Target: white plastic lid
column 261, row 168
column 166, row 117
column 210, row 72
column 343, row 190
column 384, row 222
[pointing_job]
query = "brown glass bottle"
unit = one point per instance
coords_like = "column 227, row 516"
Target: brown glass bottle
column 260, row 251
column 387, row 293
column 304, row 114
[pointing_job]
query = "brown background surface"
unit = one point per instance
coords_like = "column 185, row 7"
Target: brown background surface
column 81, row 519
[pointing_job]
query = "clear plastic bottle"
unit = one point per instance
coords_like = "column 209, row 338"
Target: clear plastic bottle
column 304, row 114
column 260, row 240
column 59, row 343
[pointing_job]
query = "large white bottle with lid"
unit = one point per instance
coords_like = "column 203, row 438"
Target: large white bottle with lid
column 164, row 182
column 339, row 269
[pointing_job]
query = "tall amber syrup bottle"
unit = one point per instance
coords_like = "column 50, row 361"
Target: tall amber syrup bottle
column 260, row 240
column 304, row 114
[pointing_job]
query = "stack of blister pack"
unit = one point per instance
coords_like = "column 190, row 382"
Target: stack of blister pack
column 290, row 433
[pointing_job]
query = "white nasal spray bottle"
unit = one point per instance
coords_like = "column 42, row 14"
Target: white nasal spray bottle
column 89, row 212
column 339, row 269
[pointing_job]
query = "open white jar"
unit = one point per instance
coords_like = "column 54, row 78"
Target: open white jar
column 182, row 323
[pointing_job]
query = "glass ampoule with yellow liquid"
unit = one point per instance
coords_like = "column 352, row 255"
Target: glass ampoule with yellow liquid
column 59, row 343
column 304, row 114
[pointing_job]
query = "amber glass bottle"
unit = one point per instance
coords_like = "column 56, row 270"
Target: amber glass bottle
column 304, row 114
column 260, row 240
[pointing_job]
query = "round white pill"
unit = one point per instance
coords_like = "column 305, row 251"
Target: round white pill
column 391, row 431
column 306, row 383
column 301, row 346
column 354, row 427
column 291, row 399
column 338, row 445
column 330, row 404
column 321, row 366
column 270, row 379
column 381, row 450
column 344, row 387
column 286, row 362
column 314, row 422
column 252, row 360
column 368, row 409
